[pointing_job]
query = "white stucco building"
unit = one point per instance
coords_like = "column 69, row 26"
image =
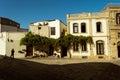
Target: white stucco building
column 10, row 40
column 10, row 35
column 104, row 29
column 49, row 28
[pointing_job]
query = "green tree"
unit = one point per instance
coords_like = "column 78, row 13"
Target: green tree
column 65, row 42
column 49, row 45
column 38, row 42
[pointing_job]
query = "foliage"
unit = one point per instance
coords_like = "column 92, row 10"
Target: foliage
column 68, row 39
column 35, row 40
column 38, row 41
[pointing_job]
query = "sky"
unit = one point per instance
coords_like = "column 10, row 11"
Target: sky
column 28, row 11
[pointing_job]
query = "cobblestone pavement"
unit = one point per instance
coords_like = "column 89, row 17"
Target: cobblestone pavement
column 59, row 69
column 62, row 61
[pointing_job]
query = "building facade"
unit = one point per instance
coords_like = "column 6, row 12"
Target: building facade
column 10, row 36
column 8, row 25
column 10, row 40
column 103, row 27
column 50, row 28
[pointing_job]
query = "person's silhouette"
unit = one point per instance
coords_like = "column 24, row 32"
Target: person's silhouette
column 12, row 53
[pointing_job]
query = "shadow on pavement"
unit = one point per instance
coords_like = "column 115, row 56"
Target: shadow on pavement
column 25, row 70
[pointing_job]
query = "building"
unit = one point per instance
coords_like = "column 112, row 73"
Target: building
column 8, row 25
column 103, row 26
column 48, row 28
column 10, row 40
column 10, row 35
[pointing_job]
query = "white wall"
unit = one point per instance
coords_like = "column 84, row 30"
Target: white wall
column 100, row 35
column 43, row 31
column 52, row 23
column 2, row 43
column 9, row 40
column 104, row 27
column 16, row 37
column 55, row 24
column 91, row 31
column 79, row 27
column 106, row 44
column 80, row 52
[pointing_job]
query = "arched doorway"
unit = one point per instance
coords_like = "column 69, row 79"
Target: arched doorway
column 118, row 47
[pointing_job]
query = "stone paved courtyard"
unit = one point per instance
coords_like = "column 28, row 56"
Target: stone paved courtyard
column 58, row 69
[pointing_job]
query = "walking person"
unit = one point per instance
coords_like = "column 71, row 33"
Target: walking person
column 12, row 53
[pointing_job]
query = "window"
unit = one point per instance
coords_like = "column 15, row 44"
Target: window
column 98, row 27
column 84, row 47
column 118, row 18
column 100, row 47
column 83, row 27
column 75, row 46
column 118, row 34
column 75, row 28
column 39, row 28
column 52, row 30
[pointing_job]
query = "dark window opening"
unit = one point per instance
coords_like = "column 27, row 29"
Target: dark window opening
column 98, row 26
column 39, row 28
column 75, row 28
column 118, row 18
column 84, row 47
column 83, row 27
column 75, row 46
column 100, row 47
column 52, row 30
column 118, row 34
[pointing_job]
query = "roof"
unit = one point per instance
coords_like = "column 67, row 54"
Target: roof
column 112, row 5
column 48, row 21
column 7, row 21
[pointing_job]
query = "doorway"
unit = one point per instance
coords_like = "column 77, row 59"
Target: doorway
column 118, row 48
column 29, row 51
column 118, row 51
column 64, row 51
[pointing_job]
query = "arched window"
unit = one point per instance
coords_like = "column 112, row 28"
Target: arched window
column 118, row 18
column 83, row 27
column 100, row 47
column 98, row 27
column 75, row 28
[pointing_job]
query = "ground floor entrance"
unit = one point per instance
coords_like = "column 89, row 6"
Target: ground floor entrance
column 118, row 48
column 29, row 51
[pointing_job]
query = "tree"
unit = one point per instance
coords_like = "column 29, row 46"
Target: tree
column 38, row 42
column 65, row 42
column 49, row 45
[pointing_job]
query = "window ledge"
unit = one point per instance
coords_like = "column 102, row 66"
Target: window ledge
column 84, row 51
column 100, row 32
column 75, row 51
column 84, row 32
column 75, row 32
